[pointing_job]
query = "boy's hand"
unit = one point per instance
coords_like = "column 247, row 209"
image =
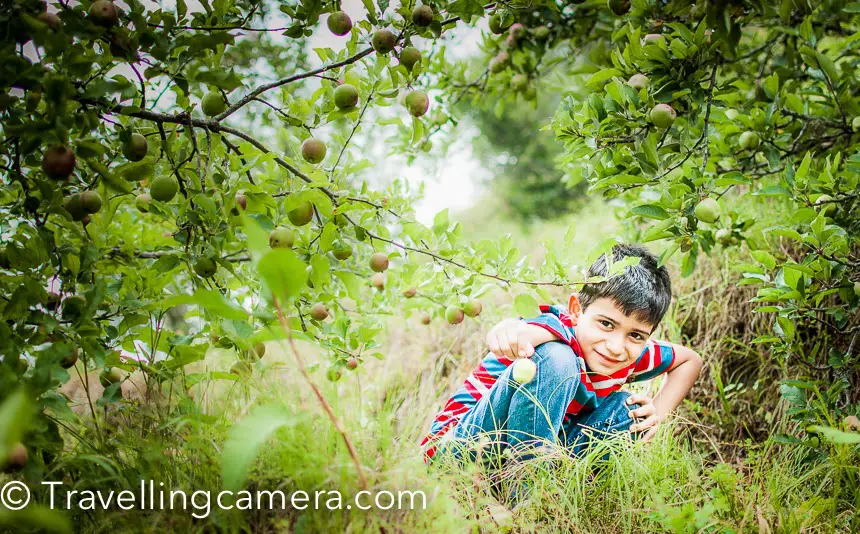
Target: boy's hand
column 646, row 414
column 511, row 338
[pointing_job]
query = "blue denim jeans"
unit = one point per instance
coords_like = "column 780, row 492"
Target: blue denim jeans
column 523, row 416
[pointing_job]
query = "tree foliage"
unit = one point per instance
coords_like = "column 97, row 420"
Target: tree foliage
column 101, row 246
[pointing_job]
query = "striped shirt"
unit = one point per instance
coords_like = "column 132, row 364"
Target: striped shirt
column 656, row 358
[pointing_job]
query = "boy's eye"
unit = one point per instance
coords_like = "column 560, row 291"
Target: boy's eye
column 605, row 323
column 637, row 337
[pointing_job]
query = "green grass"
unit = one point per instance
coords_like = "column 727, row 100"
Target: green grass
column 674, row 484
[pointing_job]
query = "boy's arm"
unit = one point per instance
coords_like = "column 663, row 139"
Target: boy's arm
column 679, row 380
column 513, row 338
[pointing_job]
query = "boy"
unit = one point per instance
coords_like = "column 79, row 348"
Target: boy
column 583, row 356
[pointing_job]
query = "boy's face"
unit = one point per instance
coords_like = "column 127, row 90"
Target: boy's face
column 610, row 340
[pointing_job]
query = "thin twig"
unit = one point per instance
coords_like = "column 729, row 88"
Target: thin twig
column 362, row 481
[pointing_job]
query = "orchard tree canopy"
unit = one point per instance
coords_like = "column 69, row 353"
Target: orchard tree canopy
column 159, row 159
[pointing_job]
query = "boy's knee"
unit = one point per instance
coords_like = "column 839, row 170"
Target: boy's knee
column 557, row 360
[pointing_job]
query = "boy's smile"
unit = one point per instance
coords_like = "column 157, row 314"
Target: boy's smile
column 610, row 340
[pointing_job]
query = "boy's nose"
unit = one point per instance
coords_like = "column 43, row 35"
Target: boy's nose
column 615, row 348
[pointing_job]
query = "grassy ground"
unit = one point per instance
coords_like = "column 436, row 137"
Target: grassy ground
column 711, row 469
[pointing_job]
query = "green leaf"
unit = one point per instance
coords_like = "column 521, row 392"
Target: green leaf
column 601, row 248
column 652, row 211
column 209, row 300
column 802, row 171
column 667, row 254
column 245, row 439
column 257, row 238
column 834, row 435
column 15, row 416
column 785, row 232
column 764, row 257
column 688, row 265
column 283, row 272
column 793, row 395
column 827, row 66
column 732, row 178
column 526, row 306
column 599, row 78
column 111, row 394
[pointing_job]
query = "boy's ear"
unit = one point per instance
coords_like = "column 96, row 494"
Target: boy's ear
column 574, row 308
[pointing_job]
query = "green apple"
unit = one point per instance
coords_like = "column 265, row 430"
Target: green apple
column 383, row 41
column 454, row 315
column 313, row 150
column 339, row 23
column 541, row 33
column 110, row 376
column 662, row 115
column 652, row 38
column 524, row 370
column 241, row 368
column 417, row 103
column 213, row 104
column 302, row 214
column 409, row 57
column 500, row 62
column 638, row 81
column 341, row 249
column 473, row 308
column 749, row 140
column 379, row 262
column 91, row 201
column 345, row 96
column 496, row 25
column 103, row 13
column 281, row 237
column 163, row 188
column 708, row 210
column 723, row 236
column 135, row 148
column 319, row 312
column 422, row 16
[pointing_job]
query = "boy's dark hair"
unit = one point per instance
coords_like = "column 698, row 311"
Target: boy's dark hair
column 642, row 290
